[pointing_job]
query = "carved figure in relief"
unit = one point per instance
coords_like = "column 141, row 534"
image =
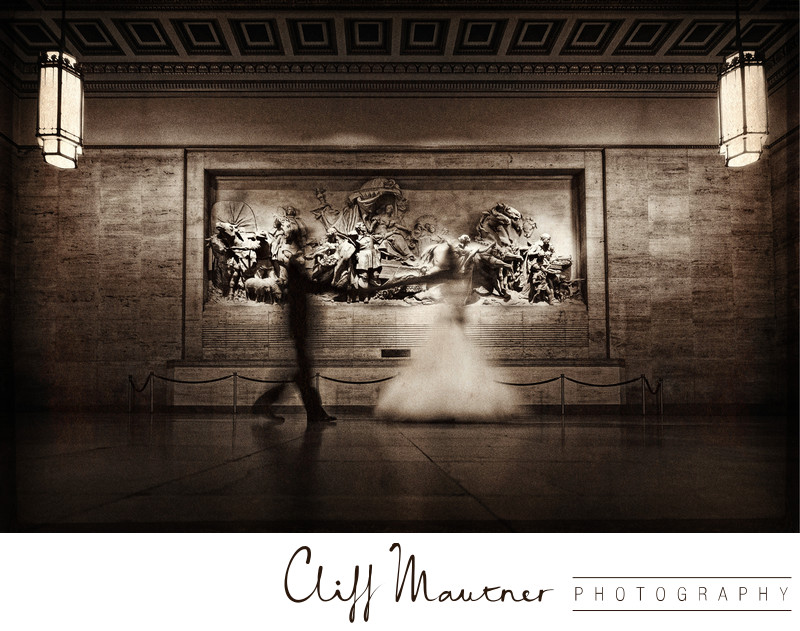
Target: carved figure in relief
column 325, row 258
column 547, row 280
column 489, row 268
column 501, row 224
column 344, row 271
column 427, row 232
column 326, row 214
column 540, row 278
column 264, row 286
column 234, row 258
column 288, row 239
column 528, row 226
column 375, row 195
column 220, row 251
column 395, row 237
column 264, row 251
column 368, row 258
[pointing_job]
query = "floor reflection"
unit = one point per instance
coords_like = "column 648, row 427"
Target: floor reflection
column 223, row 472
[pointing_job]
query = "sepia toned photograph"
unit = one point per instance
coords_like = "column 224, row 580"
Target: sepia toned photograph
column 465, row 266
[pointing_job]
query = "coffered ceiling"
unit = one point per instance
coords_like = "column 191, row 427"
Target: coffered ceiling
column 384, row 47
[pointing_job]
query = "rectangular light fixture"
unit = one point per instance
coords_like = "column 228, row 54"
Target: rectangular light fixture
column 742, row 101
column 59, row 128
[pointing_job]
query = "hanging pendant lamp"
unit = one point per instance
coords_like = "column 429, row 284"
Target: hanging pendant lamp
column 59, row 127
column 742, row 100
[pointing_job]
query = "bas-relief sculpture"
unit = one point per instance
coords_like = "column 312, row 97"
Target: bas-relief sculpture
column 369, row 241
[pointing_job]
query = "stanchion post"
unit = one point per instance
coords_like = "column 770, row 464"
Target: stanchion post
column 235, row 391
column 316, row 381
column 644, row 401
column 563, row 403
column 660, row 396
column 130, row 394
column 151, row 391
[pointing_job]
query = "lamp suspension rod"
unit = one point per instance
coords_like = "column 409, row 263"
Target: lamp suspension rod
column 61, row 46
column 739, row 44
column 741, row 68
column 62, row 43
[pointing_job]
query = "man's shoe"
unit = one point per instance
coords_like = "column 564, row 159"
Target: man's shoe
column 323, row 419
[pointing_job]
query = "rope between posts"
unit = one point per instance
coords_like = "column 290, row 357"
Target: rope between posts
column 356, row 382
column 602, row 385
column 532, row 383
column 265, row 380
column 198, row 382
column 144, row 385
column 372, row 381
column 647, row 383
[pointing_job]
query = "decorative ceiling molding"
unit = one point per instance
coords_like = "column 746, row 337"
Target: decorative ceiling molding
column 549, row 5
column 218, row 43
column 783, row 64
column 417, row 78
column 384, row 88
column 91, row 68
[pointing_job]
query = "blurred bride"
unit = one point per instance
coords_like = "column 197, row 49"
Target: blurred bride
column 448, row 378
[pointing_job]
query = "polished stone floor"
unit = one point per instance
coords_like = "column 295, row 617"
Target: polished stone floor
column 181, row 472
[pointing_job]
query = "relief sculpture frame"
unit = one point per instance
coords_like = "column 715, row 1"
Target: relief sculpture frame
column 206, row 168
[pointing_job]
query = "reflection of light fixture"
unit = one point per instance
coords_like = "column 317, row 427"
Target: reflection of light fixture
column 742, row 99
column 60, row 122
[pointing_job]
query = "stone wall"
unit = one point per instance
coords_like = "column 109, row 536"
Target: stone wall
column 6, row 275
column 691, row 274
column 414, row 121
column 98, row 274
column 7, row 150
column 783, row 162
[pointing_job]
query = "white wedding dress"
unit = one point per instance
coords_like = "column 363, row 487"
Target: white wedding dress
column 448, row 378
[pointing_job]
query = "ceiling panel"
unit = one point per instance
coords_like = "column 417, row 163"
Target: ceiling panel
column 201, row 36
column 257, row 36
column 313, row 36
column 479, row 36
column 424, row 36
column 145, row 36
column 92, row 37
column 368, row 36
column 700, row 37
column 590, row 37
column 535, row 37
column 351, row 45
column 646, row 37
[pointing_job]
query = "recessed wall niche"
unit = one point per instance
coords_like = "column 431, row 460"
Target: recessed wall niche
column 435, row 195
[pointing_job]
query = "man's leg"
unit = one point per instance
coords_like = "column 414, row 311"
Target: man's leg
column 263, row 404
column 308, row 393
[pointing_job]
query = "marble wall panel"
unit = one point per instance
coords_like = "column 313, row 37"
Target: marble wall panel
column 710, row 343
column 665, row 212
column 708, row 271
column 88, row 263
column 706, row 177
column 39, row 217
column 76, row 339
